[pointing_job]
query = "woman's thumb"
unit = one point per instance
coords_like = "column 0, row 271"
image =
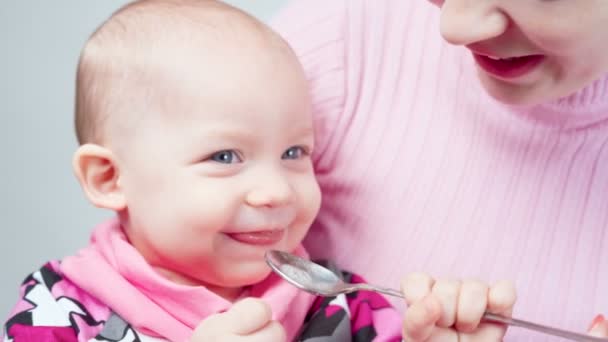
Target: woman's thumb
column 599, row 327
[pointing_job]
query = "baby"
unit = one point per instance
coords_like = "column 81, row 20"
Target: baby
column 194, row 126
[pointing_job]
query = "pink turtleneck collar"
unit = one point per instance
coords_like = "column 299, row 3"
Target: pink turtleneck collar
column 585, row 108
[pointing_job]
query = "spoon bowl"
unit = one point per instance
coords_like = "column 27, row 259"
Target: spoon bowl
column 306, row 275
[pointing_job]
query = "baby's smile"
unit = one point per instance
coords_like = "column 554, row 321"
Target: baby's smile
column 259, row 238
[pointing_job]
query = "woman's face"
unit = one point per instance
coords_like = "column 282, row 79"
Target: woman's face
column 530, row 51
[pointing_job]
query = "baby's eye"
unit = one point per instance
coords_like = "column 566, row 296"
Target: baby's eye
column 226, row 157
column 294, row 152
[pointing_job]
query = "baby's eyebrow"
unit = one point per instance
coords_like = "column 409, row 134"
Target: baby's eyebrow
column 307, row 131
column 303, row 133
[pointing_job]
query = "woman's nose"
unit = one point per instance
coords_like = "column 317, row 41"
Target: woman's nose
column 465, row 22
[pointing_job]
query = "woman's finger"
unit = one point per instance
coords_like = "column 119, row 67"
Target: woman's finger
column 447, row 292
column 501, row 298
column 416, row 286
column 472, row 304
column 420, row 319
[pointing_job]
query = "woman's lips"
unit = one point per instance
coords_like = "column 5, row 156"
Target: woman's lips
column 259, row 238
column 508, row 67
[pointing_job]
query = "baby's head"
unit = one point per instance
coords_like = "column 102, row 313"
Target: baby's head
column 549, row 48
column 195, row 127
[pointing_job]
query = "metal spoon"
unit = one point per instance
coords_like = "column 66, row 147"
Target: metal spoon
column 318, row 280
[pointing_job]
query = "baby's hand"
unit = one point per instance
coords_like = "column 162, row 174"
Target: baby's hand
column 248, row 320
column 444, row 310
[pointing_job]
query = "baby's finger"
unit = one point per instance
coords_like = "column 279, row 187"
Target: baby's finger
column 420, row 319
column 472, row 304
column 447, row 292
column 416, row 286
column 501, row 298
column 247, row 316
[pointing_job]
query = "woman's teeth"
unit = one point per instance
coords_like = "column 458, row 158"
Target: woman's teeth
column 502, row 59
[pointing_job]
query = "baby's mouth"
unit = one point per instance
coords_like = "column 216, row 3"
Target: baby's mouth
column 259, row 238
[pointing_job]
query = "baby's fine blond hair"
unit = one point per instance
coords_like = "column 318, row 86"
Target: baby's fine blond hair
column 116, row 72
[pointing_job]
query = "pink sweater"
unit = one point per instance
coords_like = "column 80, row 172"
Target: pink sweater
column 422, row 171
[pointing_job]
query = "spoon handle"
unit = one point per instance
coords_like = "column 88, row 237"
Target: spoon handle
column 490, row 317
column 383, row 290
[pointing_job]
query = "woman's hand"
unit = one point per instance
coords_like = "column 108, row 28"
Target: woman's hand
column 451, row 310
column 599, row 327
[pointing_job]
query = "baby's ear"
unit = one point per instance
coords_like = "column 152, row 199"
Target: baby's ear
column 98, row 174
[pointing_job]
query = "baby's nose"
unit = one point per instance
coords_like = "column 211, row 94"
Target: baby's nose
column 271, row 192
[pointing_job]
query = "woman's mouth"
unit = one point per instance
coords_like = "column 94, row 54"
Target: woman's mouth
column 508, row 67
column 259, row 238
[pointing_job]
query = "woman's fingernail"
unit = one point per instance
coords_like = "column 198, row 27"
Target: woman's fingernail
column 596, row 321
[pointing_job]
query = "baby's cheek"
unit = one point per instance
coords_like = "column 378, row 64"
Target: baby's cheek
column 312, row 198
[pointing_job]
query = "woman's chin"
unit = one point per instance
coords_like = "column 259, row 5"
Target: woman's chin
column 512, row 94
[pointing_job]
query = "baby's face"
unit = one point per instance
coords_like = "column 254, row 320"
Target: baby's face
column 559, row 45
column 225, row 174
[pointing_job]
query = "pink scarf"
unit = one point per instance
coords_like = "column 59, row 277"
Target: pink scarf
column 112, row 270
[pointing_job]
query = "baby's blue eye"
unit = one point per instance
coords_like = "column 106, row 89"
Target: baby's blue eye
column 294, row 152
column 226, row 157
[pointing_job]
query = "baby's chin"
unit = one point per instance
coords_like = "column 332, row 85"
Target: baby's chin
column 244, row 276
column 232, row 286
column 233, row 278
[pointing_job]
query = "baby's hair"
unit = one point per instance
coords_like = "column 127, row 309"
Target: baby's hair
column 115, row 70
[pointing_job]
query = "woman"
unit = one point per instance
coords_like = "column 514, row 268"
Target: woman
column 483, row 154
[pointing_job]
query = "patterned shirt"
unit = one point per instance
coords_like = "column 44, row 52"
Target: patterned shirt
column 52, row 308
